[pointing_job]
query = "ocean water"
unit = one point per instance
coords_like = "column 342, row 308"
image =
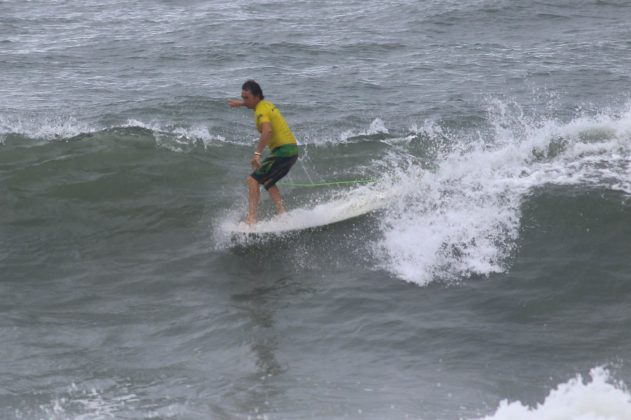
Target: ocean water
column 495, row 284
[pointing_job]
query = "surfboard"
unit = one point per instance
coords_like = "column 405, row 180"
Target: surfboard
column 317, row 216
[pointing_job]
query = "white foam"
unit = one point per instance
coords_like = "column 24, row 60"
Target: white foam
column 463, row 217
column 598, row 399
column 377, row 126
column 178, row 138
column 323, row 138
column 47, row 127
column 451, row 222
column 104, row 401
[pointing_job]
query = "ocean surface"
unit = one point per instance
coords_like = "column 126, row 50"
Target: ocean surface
column 494, row 284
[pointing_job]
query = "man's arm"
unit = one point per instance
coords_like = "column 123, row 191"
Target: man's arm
column 235, row 103
column 266, row 135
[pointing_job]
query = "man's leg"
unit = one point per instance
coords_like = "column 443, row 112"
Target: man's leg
column 254, row 196
column 274, row 193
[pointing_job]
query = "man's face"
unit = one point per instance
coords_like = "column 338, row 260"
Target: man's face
column 249, row 100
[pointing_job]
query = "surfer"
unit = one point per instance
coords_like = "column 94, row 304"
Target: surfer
column 276, row 135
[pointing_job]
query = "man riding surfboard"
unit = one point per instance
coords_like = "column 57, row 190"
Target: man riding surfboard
column 277, row 136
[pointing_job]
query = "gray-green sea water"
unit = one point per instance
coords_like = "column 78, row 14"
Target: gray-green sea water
column 495, row 283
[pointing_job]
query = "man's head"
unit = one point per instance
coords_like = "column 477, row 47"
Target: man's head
column 251, row 93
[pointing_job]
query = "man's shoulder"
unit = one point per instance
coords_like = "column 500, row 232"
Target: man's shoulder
column 264, row 110
column 264, row 106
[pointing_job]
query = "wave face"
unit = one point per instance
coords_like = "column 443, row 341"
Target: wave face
column 457, row 196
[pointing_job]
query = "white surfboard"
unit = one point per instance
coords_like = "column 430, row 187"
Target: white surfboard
column 320, row 215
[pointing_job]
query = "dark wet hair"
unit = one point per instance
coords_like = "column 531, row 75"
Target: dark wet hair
column 254, row 88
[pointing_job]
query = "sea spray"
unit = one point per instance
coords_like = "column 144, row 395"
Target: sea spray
column 599, row 399
column 463, row 217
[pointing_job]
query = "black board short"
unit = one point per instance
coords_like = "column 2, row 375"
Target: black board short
column 273, row 168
